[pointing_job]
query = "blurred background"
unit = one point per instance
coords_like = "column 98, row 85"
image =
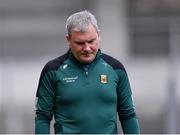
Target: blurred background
column 143, row 34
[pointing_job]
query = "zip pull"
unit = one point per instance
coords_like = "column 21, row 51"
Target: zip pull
column 86, row 68
column 87, row 73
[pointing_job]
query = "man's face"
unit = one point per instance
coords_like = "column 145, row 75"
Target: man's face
column 84, row 45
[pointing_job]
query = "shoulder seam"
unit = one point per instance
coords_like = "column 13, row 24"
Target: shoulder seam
column 54, row 64
column 113, row 62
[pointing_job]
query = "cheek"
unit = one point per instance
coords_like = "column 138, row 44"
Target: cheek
column 76, row 50
column 75, row 47
column 95, row 47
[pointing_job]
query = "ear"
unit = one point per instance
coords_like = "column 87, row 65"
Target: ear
column 99, row 36
column 68, row 39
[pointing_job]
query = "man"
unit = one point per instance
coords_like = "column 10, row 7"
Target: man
column 84, row 89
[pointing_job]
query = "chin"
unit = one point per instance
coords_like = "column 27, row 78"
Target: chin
column 86, row 59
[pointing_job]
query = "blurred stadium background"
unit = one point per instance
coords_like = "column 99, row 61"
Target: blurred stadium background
column 143, row 34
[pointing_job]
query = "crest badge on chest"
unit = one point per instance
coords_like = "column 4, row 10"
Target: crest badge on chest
column 103, row 78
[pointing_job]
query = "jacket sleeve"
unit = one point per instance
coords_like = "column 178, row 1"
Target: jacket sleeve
column 126, row 109
column 45, row 97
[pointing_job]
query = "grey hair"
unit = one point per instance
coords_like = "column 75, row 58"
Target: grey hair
column 80, row 21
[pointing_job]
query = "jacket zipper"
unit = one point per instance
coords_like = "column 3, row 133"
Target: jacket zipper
column 86, row 69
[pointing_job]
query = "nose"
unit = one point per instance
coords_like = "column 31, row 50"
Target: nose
column 86, row 47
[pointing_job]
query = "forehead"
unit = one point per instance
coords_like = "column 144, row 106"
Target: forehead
column 87, row 29
column 90, row 33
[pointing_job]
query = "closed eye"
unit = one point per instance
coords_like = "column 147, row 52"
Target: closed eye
column 91, row 41
column 84, row 42
column 79, row 43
